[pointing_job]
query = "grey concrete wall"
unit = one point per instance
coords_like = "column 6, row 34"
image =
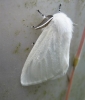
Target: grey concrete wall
column 16, row 37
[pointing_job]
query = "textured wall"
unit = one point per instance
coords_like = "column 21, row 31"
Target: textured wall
column 16, row 37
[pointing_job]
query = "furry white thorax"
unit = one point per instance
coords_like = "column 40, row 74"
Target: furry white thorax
column 63, row 23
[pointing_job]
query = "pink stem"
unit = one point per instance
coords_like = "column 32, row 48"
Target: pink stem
column 70, row 84
column 77, row 56
column 81, row 44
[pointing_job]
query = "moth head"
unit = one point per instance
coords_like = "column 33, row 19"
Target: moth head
column 44, row 22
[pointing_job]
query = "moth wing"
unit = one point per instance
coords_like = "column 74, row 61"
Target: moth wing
column 48, row 59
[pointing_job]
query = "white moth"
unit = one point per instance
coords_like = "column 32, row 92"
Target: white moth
column 49, row 58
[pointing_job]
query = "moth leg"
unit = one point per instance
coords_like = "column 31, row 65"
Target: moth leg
column 69, row 75
column 74, row 24
column 41, row 14
column 32, row 26
column 33, row 43
column 68, row 78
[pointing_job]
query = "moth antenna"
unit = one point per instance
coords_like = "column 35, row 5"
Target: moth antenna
column 59, row 7
column 41, row 14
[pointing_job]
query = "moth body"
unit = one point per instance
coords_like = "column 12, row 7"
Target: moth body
column 49, row 58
